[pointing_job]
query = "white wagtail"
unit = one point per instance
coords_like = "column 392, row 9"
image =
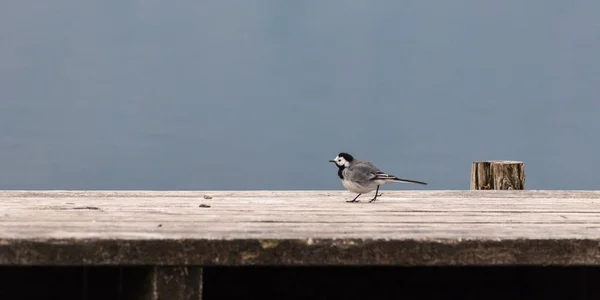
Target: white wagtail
column 361, row 176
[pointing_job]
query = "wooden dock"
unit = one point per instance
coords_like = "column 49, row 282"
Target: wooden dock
column 180, row 232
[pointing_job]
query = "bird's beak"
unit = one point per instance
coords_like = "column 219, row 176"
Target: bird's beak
column 331, row 160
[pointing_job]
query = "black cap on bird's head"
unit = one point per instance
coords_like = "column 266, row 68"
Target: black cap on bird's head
column 343, row 159
column 346, row 156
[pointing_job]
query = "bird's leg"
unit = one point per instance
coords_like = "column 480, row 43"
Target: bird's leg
column 354, row 200
column 376, row 194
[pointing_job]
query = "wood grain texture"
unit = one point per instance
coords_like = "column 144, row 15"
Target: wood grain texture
column 297, row 227
column 497, row 175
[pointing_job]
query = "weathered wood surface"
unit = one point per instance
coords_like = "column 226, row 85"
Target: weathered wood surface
column 498, row 175
column 299, row 227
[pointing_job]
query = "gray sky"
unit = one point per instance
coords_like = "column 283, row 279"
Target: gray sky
column 260, row 94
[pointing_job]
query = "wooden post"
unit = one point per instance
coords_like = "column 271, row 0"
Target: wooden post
column 161, row 283
column 498, row 175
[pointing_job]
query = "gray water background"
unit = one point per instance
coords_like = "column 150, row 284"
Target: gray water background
column 169, row 95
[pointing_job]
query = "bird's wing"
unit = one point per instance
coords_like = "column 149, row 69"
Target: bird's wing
column 362, row 172
column 370, row 172
column 380, row 175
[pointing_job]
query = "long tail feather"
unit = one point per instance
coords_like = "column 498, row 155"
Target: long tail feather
column 409, row 181
column 383, row 176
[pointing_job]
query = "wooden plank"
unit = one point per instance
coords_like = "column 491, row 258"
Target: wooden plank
column 299, row 227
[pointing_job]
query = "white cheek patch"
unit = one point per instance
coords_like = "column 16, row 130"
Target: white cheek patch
column 340, row 161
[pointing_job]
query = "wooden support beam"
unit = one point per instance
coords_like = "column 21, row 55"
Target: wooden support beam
column 498, row 175
column 161, row 283
column 177, row 283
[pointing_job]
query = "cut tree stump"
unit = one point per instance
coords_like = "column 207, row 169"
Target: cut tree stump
column 498, row 175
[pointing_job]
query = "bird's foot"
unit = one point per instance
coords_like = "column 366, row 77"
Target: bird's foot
column 375, row 198
column 355, row 199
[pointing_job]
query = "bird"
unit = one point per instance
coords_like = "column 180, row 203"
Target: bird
column 361, row 176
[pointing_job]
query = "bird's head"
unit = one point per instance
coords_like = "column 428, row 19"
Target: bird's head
column 342, row 160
